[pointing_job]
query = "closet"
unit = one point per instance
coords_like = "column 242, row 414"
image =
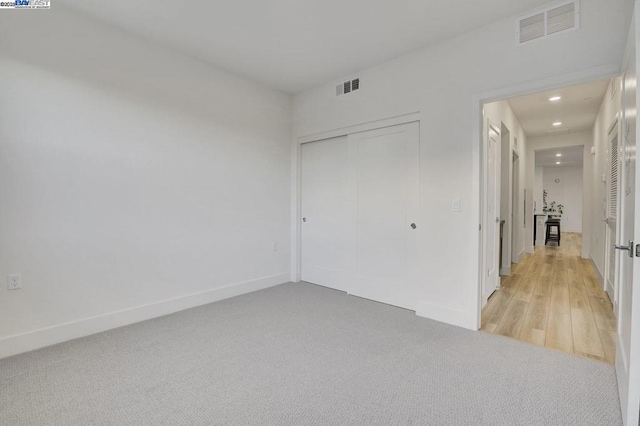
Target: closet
column 359, row 213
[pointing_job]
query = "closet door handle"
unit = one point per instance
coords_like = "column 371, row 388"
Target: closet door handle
column 628, row 249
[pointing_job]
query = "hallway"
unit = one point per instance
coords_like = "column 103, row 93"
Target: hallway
column 553, row 299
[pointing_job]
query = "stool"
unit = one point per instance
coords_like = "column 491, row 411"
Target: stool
column 552, row 223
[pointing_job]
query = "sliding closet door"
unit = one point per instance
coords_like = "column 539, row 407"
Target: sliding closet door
column 387, row 208
column 328, row 211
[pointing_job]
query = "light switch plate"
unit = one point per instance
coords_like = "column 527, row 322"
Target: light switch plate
column 456, row 205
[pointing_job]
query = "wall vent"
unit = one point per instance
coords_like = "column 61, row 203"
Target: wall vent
column 561, row 18
column 531, row 28
column 348, row 87
column 557, row 19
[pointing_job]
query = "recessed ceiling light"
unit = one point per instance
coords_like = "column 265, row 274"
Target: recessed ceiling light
column 557, row 123
column 555, row 98
column 557, row 162
column 558, row 155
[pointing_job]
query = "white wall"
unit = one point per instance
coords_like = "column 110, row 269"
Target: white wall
column 501, row 115
column 130, row 175
column 538, row 183
column 568, row 192
column 599, row 161
column 583, row 139
column 440, row 82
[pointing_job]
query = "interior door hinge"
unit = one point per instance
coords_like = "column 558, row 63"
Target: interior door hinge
column 480, row 227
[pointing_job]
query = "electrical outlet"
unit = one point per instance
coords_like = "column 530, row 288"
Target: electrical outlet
column 14, row 282
column 456, row 205
column 274, row 247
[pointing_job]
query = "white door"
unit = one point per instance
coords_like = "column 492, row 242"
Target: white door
column 387, row 212
column 515, row 210
column 628, row 341
column 326, row 248
column 611, row 266
column 492, row 214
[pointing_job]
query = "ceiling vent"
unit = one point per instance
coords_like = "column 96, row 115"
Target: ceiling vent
column 557, row 19
column 348, row 87
column 559, row 132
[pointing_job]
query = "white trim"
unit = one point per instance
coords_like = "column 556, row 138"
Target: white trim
column 296, row 208
column 484, row 269
column 505, row 271
column 456, row 317
column 478, row 100
column 521, row 255
column 621, row 351
column 557, row 82
column 362, row 127
column 611, row 292
column 16, row 344
column 596, row 269
column 614, row 124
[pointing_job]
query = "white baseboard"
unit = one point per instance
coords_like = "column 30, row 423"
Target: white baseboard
column 25, row 342
column 602, row 283
column 609, row 289
column 447, row 315
column 505, row 271
column 521, row 256
column 597, row 270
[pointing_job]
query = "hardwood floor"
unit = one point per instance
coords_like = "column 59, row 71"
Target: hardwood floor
column 553, row 298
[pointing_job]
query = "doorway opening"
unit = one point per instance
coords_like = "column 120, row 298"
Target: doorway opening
column 515, row 208
column 556, row 191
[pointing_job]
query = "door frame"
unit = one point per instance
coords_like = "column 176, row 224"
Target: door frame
column 506, row 193
column 478, row 158
column 296, row 178
column 515, row 206
column 628, row 352
column 485, row 217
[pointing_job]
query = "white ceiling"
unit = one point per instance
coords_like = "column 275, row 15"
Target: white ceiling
column 577, row 110
column 570, row 156
column 293, row 45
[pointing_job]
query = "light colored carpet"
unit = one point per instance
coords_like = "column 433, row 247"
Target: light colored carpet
column 298, row 354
